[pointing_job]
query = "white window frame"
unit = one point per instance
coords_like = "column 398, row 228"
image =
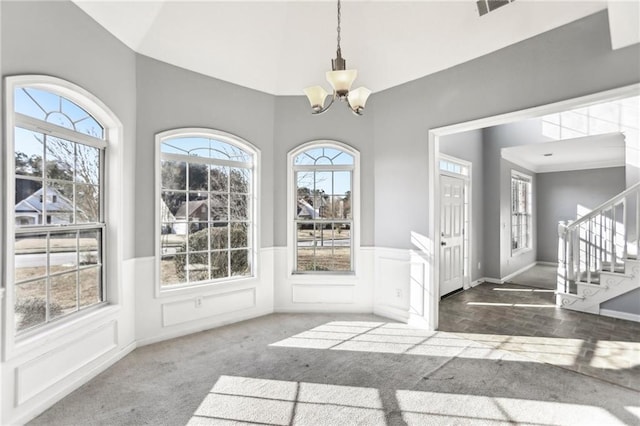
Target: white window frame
column 112, row 214
column 311, row 276
column 254, row 226
column 529, row 180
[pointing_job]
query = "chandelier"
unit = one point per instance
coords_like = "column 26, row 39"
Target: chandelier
column 341, row 80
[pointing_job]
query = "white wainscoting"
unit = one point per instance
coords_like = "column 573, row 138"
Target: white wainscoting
column 180, row 313
column 324, row 293
column 43, row 369
column 402, row 287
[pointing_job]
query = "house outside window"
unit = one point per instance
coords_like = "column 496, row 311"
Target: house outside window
column 521, row 212
column 55, row 254
column 324, row 207
column 206, row 196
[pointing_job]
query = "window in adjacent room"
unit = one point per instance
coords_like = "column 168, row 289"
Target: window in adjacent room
column 521, row 212
column 324, row 203
column 206, row 207
column 56, row 229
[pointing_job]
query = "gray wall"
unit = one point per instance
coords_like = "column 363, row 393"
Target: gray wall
column 58, row 39
column 497, row 195
column 560, row 193
column 468, row 146
column 568, row 62
column 294, row 125
column 170, row 97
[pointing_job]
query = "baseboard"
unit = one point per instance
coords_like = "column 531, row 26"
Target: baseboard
column 518, row 272
column 318, row 310
column 547, row 263
column 620, row 315
column 197, row 329
column 491, row 280
column 477, row 282
column 391, row 313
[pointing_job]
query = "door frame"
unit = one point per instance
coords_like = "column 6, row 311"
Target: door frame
column 467, row 213
column 432, row 292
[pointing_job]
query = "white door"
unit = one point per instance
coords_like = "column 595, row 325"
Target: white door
column 451, row 233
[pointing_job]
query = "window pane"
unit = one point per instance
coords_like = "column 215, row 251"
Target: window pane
column 60, row 158
column 63, row 294
column 30, row 304
column 30, row 259
column 63, row 252
column 219, row 207
column 90, row 247
column 29, row 151
column 168, row 270
column 239, row 180
column 174, row 175
column 240, row 262
column 198, row 177
column 239, row 235
column 198, row 266
column 198, row 237
column 305, row 259
column 170, row 240
column 218, row 180
column 173, row 206
column 90, row 287
column 219, row 236
column 56, row 110
column 239, row 207
column 28, row 202
column 323, row 182
column 59, row 204
column 87, row 164
column 219, row 264
column 87, row 203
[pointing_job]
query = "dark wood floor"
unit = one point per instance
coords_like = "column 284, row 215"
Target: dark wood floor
column 525, row 320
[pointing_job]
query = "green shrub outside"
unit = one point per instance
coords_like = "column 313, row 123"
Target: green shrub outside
column 199, row 242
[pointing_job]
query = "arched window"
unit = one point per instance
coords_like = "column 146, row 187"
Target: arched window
column 56, row 222
column 323, row 203
column 206, row 205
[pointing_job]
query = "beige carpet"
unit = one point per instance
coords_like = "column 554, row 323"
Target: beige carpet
column 334, row 370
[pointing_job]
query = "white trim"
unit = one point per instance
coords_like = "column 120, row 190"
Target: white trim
column 555, row 264
column 477, row 282
column 254, row 242
column 491, row 280
column 355, row 213
column 434, row 182
column 112, row 203
column 620, row 315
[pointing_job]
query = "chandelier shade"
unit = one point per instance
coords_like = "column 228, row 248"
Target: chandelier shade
column 341, row 80
column 316, row 96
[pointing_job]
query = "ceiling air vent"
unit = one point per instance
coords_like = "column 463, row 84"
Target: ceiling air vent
column 486, row 6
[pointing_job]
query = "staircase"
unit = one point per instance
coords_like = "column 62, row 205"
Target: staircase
column 598, row 255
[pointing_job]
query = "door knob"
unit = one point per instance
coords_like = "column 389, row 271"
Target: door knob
column 443, row 243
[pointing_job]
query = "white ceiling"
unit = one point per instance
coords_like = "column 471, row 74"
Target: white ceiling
column 590, row 152
column 280, row 47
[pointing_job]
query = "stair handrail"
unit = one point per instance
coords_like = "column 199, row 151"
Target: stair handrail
column 607, row 204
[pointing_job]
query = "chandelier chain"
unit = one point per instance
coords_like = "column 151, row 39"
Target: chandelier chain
column 339, row 16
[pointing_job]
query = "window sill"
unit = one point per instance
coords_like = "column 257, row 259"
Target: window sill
column 327, row 278
column 231, row 283
column 520, row 252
